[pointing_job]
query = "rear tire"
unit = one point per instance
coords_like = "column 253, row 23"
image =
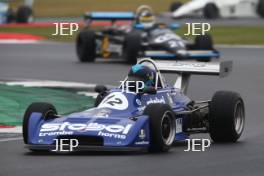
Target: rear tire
column 162, row 127
column 174, row 6
column 24, row 14
column 132, row 47
column 227, row 117
column 260, row 8
column 86, row 45
column 204, row 42
column 47, row 110
column 211, row 11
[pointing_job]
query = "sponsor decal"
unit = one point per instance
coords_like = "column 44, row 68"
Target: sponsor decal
column 115, row 100
column 67, row 128
column 112, row 135
column 152, row 100
column 138, row 102
column 56, row 133
column 142, row 134
column 156, row 100
column 142, row 143
column 179, row 125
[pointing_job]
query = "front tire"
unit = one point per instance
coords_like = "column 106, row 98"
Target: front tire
column 227, row 117
column 47, row 110
column 86, row 45
column 132, row 46
column 162, row 127
column 24, row 14
column 204, row 42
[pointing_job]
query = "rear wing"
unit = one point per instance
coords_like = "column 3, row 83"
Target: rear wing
column 184, row 69
column 109, row 16
column 217, row 68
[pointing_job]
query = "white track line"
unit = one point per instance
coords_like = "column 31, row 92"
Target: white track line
column 15, row 41
column 17, row 129
column 51, row 84
column 11, row 139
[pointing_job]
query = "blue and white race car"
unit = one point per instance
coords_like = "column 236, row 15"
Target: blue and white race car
column 149, row 119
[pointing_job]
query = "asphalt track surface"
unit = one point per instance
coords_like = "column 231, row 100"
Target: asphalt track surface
column 58, row 62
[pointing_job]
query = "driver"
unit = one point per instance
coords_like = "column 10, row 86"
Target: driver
column 145, row 16
column 140, row 72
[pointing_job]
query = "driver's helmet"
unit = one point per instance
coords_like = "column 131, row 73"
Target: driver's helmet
column 145, row 16
column 140, row 72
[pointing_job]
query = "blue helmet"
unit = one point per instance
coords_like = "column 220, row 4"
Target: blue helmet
column 143, row 73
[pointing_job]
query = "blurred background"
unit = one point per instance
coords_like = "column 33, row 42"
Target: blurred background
column 229, row 29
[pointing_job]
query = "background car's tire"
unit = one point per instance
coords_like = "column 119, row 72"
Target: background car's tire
column 162, row 127
column 86, row 45
column 204, row 42
column 175, row 5
column 211, row 11
column 132, row 47
column 10, row 16
column 227, row 117
column 260, row 8
column 47, row 110
column 24, row 14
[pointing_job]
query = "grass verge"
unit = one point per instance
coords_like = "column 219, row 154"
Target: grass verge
column 76, row 8
column 15, row 99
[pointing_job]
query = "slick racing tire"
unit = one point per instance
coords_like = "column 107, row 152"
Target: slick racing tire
column 24, row 14
column 204, row 42
column 86, row 45
column 47, row 110
column 10, row 16
column 132, row 47
column 211, row 11
column 260, row 8
column 174, row 6
column 162, row 127
column 227, row 117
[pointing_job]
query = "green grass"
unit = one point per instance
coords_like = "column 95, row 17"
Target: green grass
column 15, row 99
column 66, row 8
column 221, row 35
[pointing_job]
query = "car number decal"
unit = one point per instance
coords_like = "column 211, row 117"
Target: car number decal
column 115, row 100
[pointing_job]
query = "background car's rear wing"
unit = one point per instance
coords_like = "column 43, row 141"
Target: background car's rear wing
column 109, row 16
column 194, row 54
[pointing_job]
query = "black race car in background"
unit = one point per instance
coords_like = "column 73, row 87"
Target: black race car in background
column 144, row 37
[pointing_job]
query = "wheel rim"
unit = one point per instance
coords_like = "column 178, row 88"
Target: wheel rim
column 168, row 128
column 239, row 117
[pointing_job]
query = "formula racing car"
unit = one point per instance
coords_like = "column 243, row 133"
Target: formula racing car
column 144, row 37
column 152, row 119
column 212, row 9
column 24, row 13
